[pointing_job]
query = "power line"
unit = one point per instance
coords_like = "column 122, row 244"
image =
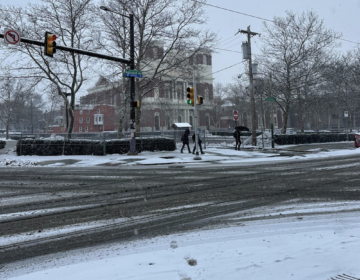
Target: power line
column 223, row 69
column 248, row 15
column 229, row 10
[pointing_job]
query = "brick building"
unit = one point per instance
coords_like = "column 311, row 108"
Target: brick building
column 165, row 100
column 89, row 118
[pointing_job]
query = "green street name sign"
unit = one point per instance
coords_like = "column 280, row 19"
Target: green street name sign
column 133, row 73
column 270, row 99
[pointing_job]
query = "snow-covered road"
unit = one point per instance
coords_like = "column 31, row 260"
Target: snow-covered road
column 313, row 247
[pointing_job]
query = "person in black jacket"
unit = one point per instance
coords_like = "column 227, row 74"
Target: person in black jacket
column 186, row 140
column 199, row 142
column 237, row 139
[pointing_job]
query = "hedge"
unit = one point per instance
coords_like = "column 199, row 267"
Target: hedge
column 42, row 147
column 2, row 144
column 311, row 138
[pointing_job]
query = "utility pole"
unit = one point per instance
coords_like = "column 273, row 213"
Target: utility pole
column 252, row 98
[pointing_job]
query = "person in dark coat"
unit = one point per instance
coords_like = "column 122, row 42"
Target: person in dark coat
column 186, row 140
column 199, row 141
column 237, row 139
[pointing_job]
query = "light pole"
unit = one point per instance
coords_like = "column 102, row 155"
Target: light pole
column 132, row 79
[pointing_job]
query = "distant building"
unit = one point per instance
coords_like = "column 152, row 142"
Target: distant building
column 165, row 102
column 90, row 118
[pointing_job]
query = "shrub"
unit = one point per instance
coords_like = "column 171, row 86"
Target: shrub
column 310, row 138
column 53, row 147
column 2, row 144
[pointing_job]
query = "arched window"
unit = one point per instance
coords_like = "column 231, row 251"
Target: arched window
column 155, row 53
column 168, row 122
column 179, row 119
column 157, row 122
column 207, row 97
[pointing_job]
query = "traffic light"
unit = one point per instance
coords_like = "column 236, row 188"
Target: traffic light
column 200, row 100
column 50, row 44
column 190, row 96
column 135, row 104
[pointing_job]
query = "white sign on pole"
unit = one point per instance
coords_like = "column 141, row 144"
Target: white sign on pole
column 11, row 37
column 346, row 114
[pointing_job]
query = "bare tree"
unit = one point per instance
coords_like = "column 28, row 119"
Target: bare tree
column 71, row 21
column 52, row 106
column 165, row 38
column 294, row 51
column 12, row 92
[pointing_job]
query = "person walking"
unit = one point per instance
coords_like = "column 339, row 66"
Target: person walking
column 185, row 140
column 237, row 139
column 199, row 142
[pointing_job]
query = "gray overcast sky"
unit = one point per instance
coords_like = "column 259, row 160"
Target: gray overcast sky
column 339, row 15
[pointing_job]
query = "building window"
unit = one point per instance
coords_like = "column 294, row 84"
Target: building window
column 157, row 123
column 87, row 120
column 167, row 91
column 86, row 129
column 204, row 59
column 98, row 119
column 80, row 129
column 98, row 111
column 81, row 112
column 80, row 120
column 88, row 112
column 179, row 119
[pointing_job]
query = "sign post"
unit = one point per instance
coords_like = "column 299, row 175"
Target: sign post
column 272, row 99
column 346, row 115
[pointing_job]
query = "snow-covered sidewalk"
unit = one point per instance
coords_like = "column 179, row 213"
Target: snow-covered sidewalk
column 306, row 247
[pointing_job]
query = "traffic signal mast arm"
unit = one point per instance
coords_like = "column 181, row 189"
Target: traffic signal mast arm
column 73, row 50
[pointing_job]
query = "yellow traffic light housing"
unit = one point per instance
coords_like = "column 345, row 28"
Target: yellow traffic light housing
column 190, row 96
column 200, row 100
column 50, row 44
column 135, row 104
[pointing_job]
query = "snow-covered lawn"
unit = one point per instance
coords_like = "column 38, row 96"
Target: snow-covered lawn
column 218, row 154
column 306, row 247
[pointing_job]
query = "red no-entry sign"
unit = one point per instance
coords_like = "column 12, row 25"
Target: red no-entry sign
column 235, row 115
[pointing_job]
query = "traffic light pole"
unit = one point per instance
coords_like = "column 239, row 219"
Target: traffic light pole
column 132, row 89
column 197, row 157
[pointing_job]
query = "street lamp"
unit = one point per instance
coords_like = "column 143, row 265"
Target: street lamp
column 132, row 79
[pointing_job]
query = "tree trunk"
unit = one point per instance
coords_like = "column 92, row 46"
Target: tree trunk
column 285, row 118
column 71, row 115
column 7, row 130
column 121, row 121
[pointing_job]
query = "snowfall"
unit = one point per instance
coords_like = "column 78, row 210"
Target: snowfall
column 283, row 242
